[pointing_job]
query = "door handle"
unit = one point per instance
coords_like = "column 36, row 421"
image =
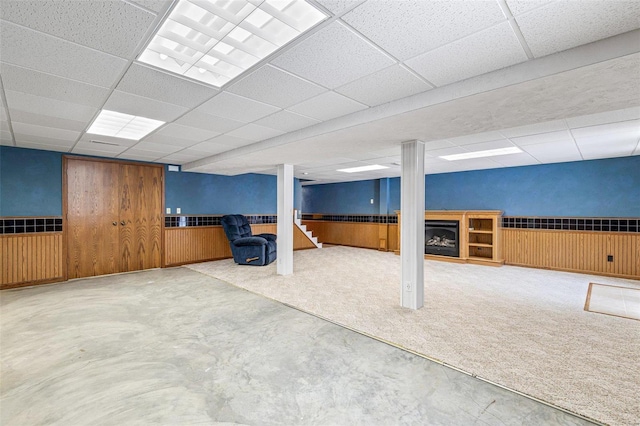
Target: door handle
column 122, row 223
column 115, row 223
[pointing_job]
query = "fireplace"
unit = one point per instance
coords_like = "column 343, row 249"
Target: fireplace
column 441, row 237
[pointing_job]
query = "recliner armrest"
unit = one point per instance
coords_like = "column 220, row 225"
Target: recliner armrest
column 250, row 241
column 270, row 237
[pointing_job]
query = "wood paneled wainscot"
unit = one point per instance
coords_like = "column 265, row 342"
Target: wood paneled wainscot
column 27, row 259
column 376, row 236
column 575, row 251
column 185, row 245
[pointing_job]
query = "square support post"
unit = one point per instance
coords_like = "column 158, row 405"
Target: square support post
column 412, row 225
column 285, row 220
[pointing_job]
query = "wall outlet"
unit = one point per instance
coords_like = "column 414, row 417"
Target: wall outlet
column 609, row 258
column 178, row 210
column 408, row 286
column 372, row 201
column 168, row 210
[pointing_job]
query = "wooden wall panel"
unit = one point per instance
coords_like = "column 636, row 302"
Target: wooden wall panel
column 579, row 251
column 27, row 259
column 392, row 243
column 199, row 244
column 354, row 234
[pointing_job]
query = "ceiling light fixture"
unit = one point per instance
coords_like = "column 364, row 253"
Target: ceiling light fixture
column 125, row 126
column 363, row 168
column 480, row 154
column 225, row 38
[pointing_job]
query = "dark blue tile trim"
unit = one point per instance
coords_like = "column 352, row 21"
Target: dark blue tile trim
column 211, row 220
column 573, row 223
column 30, row 225
column 391, row 218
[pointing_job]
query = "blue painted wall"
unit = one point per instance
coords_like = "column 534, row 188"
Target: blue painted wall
column 200, row 193
column 342, row 198
column 601, row 188
column 30, row 182
column 31, row 185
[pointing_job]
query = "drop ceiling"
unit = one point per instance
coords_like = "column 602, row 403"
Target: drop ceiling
column 558, row 79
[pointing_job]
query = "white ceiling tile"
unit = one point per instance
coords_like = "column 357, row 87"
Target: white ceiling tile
column 139, row 155
column 476, row 138
column 275, row 87
column 19, row 116
column 150, row 83
column 186, row 132
column 25, row 102
column 489, row 50
column 327, row 106
column 562, row 136
column 432, row 145
column 532, row 129
column 565, row 24
column 486, row 146
column 445, row 151
column 339, row 6
column 45, row 147
column 6, row 140
column 418, row 26
column 159, row 148
column 518, row 7
column 40, row 84
column 383, row 86
column 604, row 117
column 608, row 140
column 286, row 121
column 333, row 57
column 102, row 150
column 230, row 141
column 105, row 143
column 153, row 5
column 199, row 119
column 255, row 132
column 41, row 52
column 169, row 140
column 128, row 103
column 114, row 27
column 234, row 107
column 43, row 140
column 209, row 148
column 554, row 152
column 515, row 160
column 40, row 131
column 181, row 158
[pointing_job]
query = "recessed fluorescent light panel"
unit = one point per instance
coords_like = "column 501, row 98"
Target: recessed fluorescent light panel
column 125, row 126
column 363, row 168
column 214, row 41
column 480, row 154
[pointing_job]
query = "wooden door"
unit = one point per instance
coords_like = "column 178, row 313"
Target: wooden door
column 92, row 215
column 113, row 217
column 140, row 217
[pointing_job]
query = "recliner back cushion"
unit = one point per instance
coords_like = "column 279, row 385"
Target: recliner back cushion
column 236, row 226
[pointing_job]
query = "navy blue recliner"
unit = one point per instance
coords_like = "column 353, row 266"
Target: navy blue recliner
column 248, row 249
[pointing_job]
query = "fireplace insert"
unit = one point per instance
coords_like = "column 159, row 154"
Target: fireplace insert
column 441, row 237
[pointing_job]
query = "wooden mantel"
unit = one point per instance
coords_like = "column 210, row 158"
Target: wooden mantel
column 478, row 234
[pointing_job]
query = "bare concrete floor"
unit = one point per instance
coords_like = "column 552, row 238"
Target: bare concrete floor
column 176, row 347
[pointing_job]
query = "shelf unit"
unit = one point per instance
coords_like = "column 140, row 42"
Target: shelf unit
column 483, row 237
column 479, row 235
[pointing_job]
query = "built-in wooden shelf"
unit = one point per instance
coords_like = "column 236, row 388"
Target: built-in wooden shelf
column 479, row 235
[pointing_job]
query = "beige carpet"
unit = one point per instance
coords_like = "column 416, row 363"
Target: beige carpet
column 521, row 328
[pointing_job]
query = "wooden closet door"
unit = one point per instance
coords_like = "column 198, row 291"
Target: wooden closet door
column 92, row 215
column 140, row 217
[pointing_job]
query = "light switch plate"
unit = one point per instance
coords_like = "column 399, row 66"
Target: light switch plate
column 178, row 210
column 168, row 210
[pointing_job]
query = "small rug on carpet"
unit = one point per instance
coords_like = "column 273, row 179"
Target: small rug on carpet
column 613, row 300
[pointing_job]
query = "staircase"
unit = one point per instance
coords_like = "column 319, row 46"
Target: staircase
column 303, row 228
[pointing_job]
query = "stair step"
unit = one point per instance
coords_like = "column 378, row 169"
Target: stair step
column 303, row 227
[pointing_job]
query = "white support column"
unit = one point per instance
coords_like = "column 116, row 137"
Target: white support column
column 285, row 219
column 412, row 225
